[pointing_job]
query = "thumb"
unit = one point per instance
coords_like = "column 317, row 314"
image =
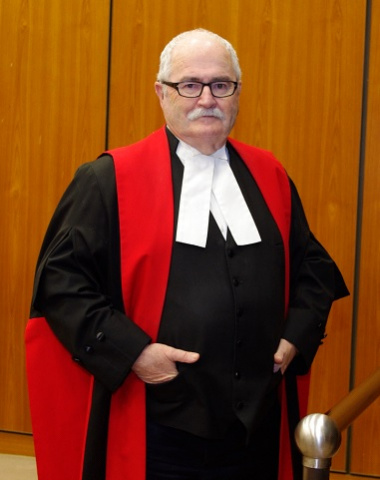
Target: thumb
column 280, row 353
column 278, row 356
column 183, row 356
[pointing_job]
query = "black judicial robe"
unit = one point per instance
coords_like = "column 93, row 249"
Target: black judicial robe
column 102, row 325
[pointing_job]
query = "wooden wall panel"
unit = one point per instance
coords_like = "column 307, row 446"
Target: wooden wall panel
column 302, row 86
column 365, row 451
column 308, row 110
column 53, row 101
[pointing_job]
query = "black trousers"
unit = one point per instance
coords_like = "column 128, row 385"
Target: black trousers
column 177, row 455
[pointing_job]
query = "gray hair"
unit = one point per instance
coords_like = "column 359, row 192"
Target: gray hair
column 166, row 55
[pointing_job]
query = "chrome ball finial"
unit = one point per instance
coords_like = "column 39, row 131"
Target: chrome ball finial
column 318, row 438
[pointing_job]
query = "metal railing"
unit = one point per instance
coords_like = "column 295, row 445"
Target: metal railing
column 318, row 435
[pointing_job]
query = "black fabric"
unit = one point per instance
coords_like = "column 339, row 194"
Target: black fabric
column 177, row 455
column 94, row 466
column 78, row 279
column 293, row 419
column 217, row 304
column 78, row 290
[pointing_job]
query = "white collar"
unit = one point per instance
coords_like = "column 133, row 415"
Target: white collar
column 210, row 185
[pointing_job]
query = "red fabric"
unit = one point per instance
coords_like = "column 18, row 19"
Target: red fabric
column 143, row 172
column 60, row 399
column 146, row 233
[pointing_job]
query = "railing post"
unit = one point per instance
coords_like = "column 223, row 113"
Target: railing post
column 316, row 474
column 318, row 438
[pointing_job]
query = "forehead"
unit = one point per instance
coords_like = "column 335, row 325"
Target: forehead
column 201, row 58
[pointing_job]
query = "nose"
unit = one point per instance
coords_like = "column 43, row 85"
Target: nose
column 206, row 99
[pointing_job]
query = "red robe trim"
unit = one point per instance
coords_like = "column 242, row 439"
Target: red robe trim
column 60, row 391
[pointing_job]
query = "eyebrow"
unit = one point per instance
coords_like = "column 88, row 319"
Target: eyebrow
column 223, row 78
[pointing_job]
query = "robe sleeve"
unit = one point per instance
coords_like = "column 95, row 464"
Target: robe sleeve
column 315, row 282
column 77, row 285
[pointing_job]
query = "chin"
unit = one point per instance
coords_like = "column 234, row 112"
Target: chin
column 207, row 132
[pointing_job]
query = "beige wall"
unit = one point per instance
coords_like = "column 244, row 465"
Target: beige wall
column 302, row 98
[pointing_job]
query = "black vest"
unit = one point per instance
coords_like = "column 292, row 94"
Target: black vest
column 227, row 303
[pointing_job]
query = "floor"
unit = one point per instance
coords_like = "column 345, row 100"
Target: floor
column 17, row 467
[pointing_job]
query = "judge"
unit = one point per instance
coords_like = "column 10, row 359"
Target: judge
column 177, row 289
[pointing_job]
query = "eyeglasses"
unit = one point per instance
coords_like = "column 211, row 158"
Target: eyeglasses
column 219, row 89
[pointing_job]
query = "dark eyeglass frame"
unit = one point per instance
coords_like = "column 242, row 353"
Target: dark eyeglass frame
column 175, row 86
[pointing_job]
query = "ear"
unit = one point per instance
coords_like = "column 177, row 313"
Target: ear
column 159, row 88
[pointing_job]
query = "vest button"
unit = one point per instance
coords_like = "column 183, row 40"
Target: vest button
column 237, row 375
column 230, row 252
column 100, row 336
column 240, row 405
column 235, row 281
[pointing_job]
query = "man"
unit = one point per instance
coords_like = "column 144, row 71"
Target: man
column 182, row 281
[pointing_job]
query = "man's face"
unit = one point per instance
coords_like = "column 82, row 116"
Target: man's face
column 203, row 60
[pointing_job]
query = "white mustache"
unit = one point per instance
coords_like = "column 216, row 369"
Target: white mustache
column 205, row 112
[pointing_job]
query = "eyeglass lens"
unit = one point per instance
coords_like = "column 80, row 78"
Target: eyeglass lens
column 195, row 89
